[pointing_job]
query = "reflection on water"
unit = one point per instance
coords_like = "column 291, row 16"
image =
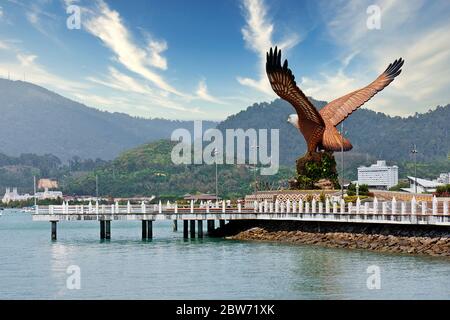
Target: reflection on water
column 169, row 267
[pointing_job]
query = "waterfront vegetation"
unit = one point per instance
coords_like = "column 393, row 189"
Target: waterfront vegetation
column 148, row 170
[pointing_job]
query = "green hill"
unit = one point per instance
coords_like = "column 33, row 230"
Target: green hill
column 148, row 170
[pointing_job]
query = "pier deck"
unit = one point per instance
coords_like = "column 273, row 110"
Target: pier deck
column 407, row 213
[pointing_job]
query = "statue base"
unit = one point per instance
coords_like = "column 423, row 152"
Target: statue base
column 316, row 170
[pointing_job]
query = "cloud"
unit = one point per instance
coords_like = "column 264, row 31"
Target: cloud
column 107, row 25
column 258, row 37
column 155, row 50
column 417, row 32
column 202, row 93
column 26, row 65
column 1, row 12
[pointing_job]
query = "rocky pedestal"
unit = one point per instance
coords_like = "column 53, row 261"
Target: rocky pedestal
column 316, row 170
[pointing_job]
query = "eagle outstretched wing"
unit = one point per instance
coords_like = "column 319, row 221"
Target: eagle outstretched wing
column 283, row 83
column 337, row 110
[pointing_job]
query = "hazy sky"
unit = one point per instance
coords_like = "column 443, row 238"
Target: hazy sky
column 204, row 59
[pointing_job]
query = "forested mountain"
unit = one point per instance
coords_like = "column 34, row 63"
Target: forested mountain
column 374, row 135
column 36, row 120
column 148, row 170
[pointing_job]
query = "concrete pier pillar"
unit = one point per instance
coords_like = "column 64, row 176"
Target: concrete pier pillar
column 192, row 227
column 175, row 225
column 107, row 229
column 210, row 226
column 149, row 229
column 222, row 223
column 54, row 229
column 102, row 229
column 185, row 229
column 144, row 229
column 200, row 228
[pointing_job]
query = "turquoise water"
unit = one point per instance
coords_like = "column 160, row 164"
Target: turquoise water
column 168, row 267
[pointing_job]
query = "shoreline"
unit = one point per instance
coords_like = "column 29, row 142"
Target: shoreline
column 416, row 240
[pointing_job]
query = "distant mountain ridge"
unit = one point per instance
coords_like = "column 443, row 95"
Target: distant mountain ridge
column 374, row 135
column 36, row 120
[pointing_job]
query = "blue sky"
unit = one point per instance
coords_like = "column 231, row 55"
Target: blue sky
column 204, row 59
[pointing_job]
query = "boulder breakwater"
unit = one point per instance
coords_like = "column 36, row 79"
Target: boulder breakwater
column 422, row 239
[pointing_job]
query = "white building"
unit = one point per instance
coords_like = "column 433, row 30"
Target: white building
column 378, row 175
column 444, row 178
column 48, row 194
column 14, row 196
column 423, row 185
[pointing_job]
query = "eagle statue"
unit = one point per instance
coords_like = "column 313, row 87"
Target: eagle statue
column 319, row 127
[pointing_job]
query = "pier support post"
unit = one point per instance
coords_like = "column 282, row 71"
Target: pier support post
column 53, row 229
column 185, row 229
column 175, row 225
column 144, row 229
column 200, row 228
column 222, row 223
column 149, row 229
column 192, row 227
column 107, row 229
column 102, row 229
column 210, row 226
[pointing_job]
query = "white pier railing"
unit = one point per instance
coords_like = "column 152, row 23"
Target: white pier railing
column 393, row 212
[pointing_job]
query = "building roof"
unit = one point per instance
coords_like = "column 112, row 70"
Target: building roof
column 425, row 183
column 204, row 196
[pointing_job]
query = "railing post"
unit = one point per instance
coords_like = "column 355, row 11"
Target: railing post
column 288, row 206
column 260, row 207
column 239, row 207
column 403, row 208
column 176, row 207
column 96, row 207
column 358, row 205
column 320, row 207
column 394, row 205
column 36, row 209
column 335, row 207
column 342, row 206
column 445, row 207
column 277, row 206
column 375, row 205
column 366, row 208
column 192, row 206
column 306, row 207
column 434, row 210
column 300, row 206
column 282, row 207
column 128, row 207
column 51, row 209
column 413, row 205
column 90, row 207
column 271, row 207
column 143, row 207
column 117, row 207
column 224, row 208
column 313, row 205
column 327, row 205
column 424, row 207
column 159, row 207
column 384, row 207
column 349, row 207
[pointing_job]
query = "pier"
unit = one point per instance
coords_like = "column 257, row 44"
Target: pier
column 411, row 212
